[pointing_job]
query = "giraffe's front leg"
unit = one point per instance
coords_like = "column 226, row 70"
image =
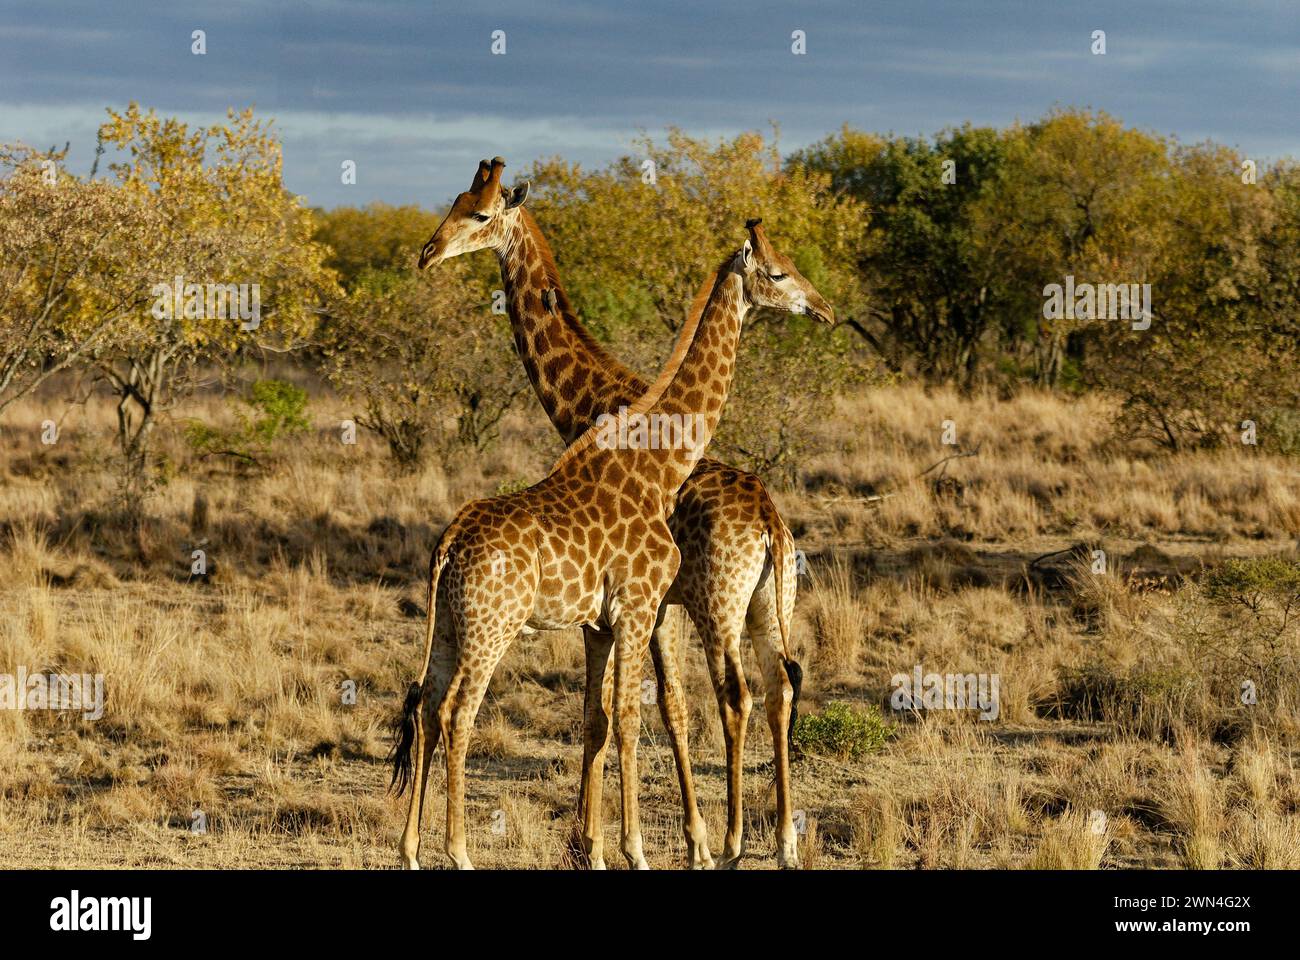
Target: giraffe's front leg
column 597, row 703
column 631, row 637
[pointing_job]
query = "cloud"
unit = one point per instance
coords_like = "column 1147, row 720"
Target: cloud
column 411, row 91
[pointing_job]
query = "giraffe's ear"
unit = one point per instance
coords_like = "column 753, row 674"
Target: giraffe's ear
column 747, row 257
column 517, row 194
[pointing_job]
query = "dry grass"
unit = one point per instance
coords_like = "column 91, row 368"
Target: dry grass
column 225, row 693
column 1044, row 468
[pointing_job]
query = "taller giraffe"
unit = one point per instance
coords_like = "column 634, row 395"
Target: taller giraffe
column 737, row 570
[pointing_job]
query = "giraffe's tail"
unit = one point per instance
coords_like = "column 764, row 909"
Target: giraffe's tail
column 781, row 546
column 404, row 728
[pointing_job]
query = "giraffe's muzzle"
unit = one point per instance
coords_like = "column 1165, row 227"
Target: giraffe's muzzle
column 820, row 310
column 428, row 256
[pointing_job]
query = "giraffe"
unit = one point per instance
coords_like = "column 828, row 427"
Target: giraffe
column 587, row 545
column 737, row 570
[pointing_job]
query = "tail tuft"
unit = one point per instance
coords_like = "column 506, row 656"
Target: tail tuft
column 403, row 739
column 404, row 726
column 795, row 673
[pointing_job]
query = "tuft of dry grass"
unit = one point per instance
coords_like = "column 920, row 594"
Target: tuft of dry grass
column 1072, row 842
column 839, row 620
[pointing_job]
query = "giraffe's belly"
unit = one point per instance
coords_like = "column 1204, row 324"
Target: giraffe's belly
column 561, row 610
column 570, row 584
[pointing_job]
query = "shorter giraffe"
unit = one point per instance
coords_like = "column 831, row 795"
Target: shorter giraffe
column 589, row 545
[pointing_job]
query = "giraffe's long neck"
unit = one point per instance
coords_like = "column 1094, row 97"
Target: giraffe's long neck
column 573, row 376
column 658, row 440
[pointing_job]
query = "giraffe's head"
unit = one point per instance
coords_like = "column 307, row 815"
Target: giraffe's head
column 479, row 218
column 775, row 282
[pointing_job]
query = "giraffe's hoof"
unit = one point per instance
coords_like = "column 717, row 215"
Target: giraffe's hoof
column 700, row 858
column 731, row 857
column 460, row 861
column 634, row 854
column 787, row 853
column 697, row 845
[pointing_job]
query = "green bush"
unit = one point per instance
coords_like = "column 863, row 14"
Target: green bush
column 1248, row 626
column 1279, row 431
column 277, row 409
column 841, row 731
column 1254, row 582
column 272, row 409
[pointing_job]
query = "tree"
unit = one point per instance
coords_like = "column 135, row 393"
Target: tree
column 634, row 247
column 1076, row 194
column 1225, row 338
column 76, row 261
column 375, row 237
column 934, row 279
column 228, row 227
column 415, row 351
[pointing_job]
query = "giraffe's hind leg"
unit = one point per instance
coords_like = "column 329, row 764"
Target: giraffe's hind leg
column 672, row 709
column 765, row 634
column 720, row 633
column 441, row 667
column 480, row 652
column 426, row 739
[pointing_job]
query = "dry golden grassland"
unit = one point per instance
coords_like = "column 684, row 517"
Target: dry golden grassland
column 1120, row 739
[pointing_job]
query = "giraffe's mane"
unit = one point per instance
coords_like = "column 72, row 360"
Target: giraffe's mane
column 685, row 338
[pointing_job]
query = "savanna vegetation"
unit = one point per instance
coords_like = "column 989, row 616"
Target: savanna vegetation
column 1103, row 516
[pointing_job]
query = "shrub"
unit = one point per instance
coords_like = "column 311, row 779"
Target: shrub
column 422, row 360
column 276, row 409
column 271, row 409
column 841, row 731
column 1243, row 622
column 1143, row 700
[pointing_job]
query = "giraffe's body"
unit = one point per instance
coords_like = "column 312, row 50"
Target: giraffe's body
column 737, row 570
column 574, row 550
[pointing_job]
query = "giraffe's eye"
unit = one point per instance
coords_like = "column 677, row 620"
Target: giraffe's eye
column 481, row 217
column 778, row 277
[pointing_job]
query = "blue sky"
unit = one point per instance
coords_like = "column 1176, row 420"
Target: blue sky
column 410, row 90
